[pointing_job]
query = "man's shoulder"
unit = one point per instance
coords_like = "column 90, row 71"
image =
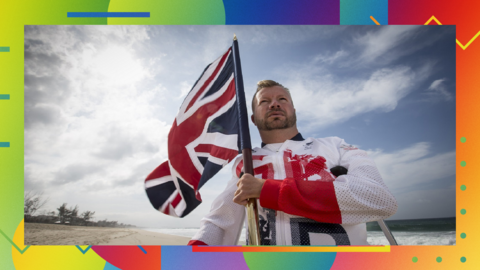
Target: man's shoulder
column 334, row 141
column 329, row 141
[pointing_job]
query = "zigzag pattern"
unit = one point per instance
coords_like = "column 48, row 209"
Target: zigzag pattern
column 439, row 23
column 458, row 42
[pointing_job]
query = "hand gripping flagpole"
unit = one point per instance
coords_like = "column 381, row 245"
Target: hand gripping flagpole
column 252, row 208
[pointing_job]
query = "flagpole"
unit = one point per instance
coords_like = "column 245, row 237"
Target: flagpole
column 246, row 146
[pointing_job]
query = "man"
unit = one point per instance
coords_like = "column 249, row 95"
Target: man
column 301, row 202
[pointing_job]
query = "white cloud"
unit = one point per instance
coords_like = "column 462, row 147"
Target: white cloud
column 438, row 90
column 379, row 43
column 324, row 100
column 185, row 87
column 413, row 166
column 115, row 66
column 330, row 58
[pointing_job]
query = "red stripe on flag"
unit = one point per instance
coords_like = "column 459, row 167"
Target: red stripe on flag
column 177, row 200
column 209, row 80
column 161, row 171
column 167, row 209
column 217, row 151
column 189, row 130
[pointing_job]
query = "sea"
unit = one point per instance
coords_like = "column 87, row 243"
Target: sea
column 411, row 232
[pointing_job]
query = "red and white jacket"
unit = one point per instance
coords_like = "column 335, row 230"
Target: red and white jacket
column 302, row 202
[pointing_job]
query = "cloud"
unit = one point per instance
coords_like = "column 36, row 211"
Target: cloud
column 89, row 117
column 325, row 100
column 42, row 114
column 185, row 87
column 438, row 89
column 422, row 183
column 330, row 58
column 384, row 42
column 75, row 172
column 118, row 143
column 414, row 166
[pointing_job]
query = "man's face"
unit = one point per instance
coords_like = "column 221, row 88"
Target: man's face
column 274, row 109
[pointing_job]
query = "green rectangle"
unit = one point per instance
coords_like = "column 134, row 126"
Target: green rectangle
column 4, row 144
column 4, row 49
column 4, row 96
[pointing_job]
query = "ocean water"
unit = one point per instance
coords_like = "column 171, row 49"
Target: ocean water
column 407, row 232
column 414, row 238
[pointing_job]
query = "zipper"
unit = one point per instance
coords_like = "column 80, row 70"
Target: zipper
column 280, row 168
column 282, row 228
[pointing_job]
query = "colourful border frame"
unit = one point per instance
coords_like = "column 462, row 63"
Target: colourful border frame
column 15, row 14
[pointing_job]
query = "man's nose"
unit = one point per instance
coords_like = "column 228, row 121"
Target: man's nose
column 274, row 104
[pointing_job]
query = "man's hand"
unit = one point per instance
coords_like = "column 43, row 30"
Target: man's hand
column 248, row 187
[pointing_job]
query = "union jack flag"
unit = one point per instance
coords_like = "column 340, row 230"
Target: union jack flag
column 203, row 139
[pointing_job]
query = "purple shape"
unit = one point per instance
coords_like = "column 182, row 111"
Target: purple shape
column 325, row 12
column 179, row 257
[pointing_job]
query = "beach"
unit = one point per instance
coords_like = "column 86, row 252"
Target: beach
column 56, row 234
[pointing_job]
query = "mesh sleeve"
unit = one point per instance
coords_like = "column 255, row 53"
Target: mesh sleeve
column 361, row 194
column 223, row 224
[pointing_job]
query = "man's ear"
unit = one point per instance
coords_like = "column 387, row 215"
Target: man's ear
column 253, row 120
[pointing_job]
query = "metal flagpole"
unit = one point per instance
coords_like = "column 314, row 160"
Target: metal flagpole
column 252, row 208
column 387, row 232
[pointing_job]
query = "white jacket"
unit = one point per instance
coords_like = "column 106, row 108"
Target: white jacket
column 301, row 202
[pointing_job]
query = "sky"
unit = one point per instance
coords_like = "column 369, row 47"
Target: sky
column 100, row 101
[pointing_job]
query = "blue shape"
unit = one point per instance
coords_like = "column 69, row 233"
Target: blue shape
column 109, row 266
column 4, row 144
column 6, row 97
column 353, row 12
column 108, row 14
column 144, row 251
column 83, row 251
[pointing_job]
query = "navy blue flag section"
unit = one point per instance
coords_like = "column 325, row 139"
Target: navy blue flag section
column 203, row 139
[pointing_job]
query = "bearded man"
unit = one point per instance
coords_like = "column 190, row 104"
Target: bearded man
column 310, row 191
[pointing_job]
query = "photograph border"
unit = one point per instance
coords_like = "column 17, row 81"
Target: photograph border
column 15, row 255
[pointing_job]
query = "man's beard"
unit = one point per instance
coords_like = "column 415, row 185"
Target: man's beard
column 275, row 123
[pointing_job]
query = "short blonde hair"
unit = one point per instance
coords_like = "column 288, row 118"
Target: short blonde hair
column 268, row 83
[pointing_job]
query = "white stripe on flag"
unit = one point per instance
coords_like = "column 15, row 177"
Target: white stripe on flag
column 226, row 142
column 169, row 200
column 183, row 115
column 203, row 154
column 158, row 181
column 221, row 140
column 218, row 161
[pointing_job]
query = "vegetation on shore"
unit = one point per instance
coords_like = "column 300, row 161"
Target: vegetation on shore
column 64, row 215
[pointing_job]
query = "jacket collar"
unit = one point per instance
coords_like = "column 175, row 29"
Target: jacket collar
column 297, row 137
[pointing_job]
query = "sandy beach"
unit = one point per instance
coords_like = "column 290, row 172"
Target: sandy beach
column 55, row 234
